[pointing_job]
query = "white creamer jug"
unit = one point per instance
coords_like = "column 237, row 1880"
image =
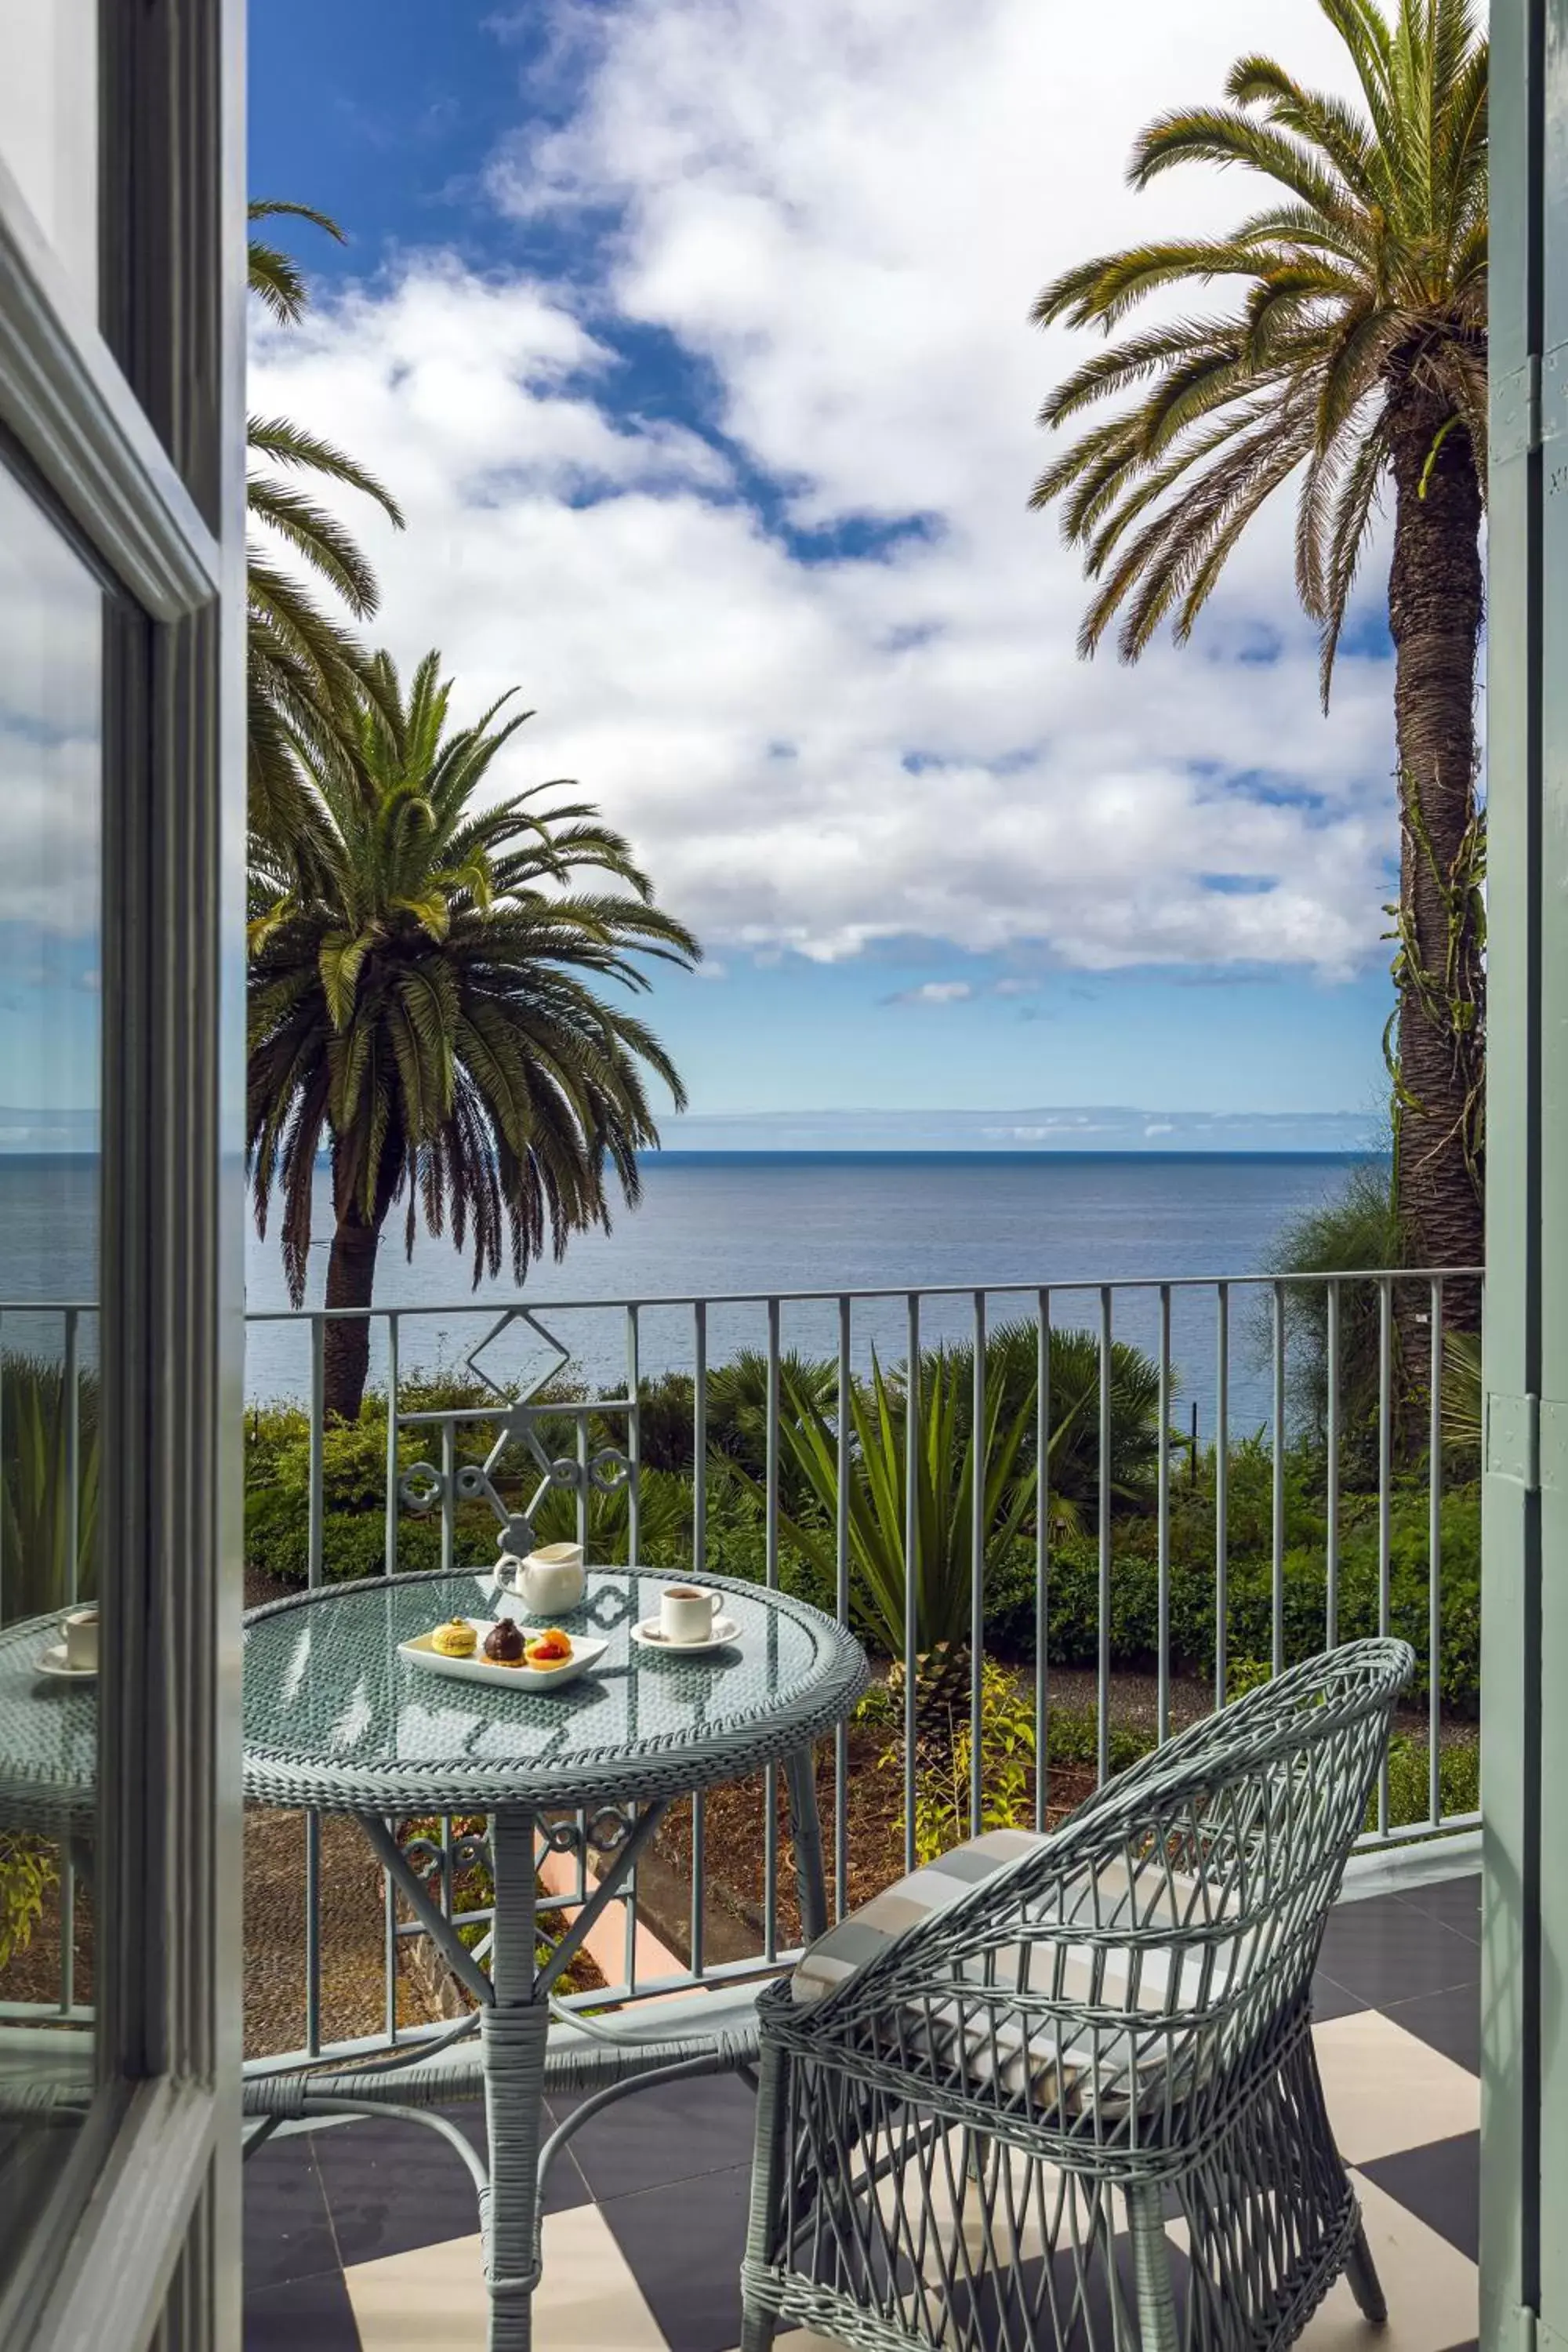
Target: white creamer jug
column 549, row 1583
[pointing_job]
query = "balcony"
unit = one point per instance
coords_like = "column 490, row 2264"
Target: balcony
column 360, row 2238
column 1239, row 1473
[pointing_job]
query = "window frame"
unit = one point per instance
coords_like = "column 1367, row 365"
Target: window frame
column 133, row 434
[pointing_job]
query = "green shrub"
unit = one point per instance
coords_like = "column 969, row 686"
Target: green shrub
column 1458, row 1778
column 27, row 1870
column 1073, row 1592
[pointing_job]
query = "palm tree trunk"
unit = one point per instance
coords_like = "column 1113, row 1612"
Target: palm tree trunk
column 351, row 1282
column 1435, row 616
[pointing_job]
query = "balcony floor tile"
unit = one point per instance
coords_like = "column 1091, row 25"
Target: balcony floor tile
column 313, row 2315
column 1384, row 1950
column 662, row 2134
column 652, row 2264
column 381, row 2203
column 288, row 2230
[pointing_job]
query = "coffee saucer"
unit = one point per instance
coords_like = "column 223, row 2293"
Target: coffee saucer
column 53, row 1660
column 649, row 1637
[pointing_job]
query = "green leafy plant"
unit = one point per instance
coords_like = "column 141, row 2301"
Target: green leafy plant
column 1355, row 1232
column 27, row 1870
column 1073, row 1371
column 34, row 1461
column 1458, row 1778
column 945, row 1476
column 1243, row 1675
column 942, row 1817
column 1462, row 1394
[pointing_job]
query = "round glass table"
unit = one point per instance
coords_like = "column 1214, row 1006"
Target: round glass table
column 335, row 1718
column 48, row 1740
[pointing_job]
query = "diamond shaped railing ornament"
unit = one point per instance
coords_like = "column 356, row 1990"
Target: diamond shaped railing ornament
column 424, row 1486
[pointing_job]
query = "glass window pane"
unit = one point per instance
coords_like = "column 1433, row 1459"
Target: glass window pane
column 51, row 669
column 48, row 123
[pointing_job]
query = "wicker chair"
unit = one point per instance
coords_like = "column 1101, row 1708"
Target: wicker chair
column 1024, row 2097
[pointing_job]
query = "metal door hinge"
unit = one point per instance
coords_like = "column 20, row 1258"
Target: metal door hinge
column 1512, row 1446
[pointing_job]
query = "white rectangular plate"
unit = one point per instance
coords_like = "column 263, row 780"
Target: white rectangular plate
column 584, row 1653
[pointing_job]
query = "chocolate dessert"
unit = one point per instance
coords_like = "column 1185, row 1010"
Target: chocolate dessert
column 503, row 1643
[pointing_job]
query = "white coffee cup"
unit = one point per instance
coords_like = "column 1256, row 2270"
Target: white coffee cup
column 686, row 1613
column 80, row 1630
column 552, row 1581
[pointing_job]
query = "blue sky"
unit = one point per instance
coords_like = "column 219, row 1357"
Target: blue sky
column 693, row 335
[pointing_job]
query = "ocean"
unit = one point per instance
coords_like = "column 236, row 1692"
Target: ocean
column 755, row 1222
column 717, row 1222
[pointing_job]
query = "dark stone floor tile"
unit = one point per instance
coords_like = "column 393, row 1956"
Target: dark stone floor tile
column 684, row 2243
column 1456, row 1901
column 1449, row 2021
column 1013, row 2306
column 1331, row 1999
column 1440, row 2184
column 308, row 2316
column 392, row 2186
column 1384, row 1951
column 651, row 2137
column 288, row 2233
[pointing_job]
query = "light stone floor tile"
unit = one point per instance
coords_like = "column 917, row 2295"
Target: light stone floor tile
column 433, row 2299
column 1387, row 2090
column 1430, row 2288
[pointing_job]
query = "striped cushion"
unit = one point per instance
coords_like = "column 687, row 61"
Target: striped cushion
column 861, row 1934
column 1104, row 2067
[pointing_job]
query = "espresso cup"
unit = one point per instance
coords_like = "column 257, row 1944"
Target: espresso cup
column 80, row 1630
column 686, row 1613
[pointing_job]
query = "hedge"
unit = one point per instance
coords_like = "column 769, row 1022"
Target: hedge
column 353, row 1533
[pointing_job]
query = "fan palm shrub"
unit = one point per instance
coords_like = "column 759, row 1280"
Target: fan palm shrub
column 425, row 1004
column 1350, row 362
column 1073, row 1369
column 1356, row 1231
column 303, row 667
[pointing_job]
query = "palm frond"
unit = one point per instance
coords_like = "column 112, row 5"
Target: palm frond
column 1361, row 295
column 436, row 988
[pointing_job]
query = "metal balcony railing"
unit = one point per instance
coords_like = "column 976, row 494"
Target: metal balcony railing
column 1238, row 1471
column 1229, row 1412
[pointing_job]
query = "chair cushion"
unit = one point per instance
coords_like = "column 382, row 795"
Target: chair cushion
column 860, row 1934
column 1103, row 2067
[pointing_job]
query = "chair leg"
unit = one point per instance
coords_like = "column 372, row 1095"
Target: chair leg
column 758, row 2325
column 1152, row 2269
column 1364, row 2283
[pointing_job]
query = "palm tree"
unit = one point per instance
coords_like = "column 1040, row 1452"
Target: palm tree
column 1355, row 357
column 422, row 1003
column 304, row 668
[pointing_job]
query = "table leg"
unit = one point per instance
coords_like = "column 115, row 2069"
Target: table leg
column 806, row 1835
column 514, row 2027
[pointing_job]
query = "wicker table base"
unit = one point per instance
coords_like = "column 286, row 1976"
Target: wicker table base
column 514, row 2067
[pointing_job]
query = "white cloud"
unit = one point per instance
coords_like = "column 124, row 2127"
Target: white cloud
column 844, row 207
column 936, row 991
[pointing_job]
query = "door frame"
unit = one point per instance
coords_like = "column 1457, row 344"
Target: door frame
column 130, row 425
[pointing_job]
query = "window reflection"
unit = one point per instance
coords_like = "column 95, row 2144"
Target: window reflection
column 48, row 123
column 51, row 660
